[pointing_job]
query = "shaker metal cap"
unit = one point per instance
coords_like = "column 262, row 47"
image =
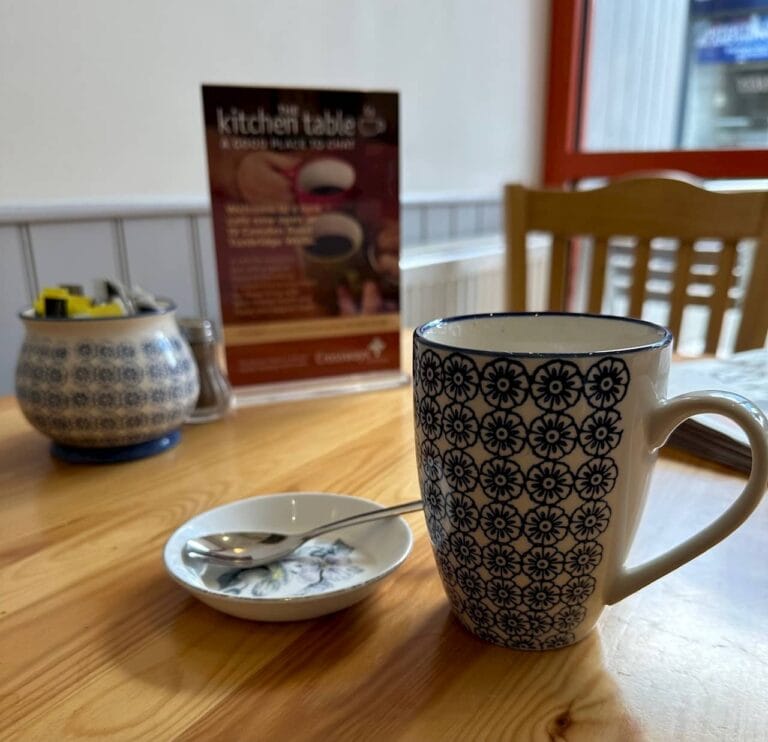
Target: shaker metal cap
column 197, row 329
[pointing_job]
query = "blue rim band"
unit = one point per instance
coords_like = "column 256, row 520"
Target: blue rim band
column 420, row 335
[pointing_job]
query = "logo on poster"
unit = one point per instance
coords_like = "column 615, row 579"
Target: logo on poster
column 373, row 350
column 370, row 124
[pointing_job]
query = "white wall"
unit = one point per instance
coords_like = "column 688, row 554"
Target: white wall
column 101, row 99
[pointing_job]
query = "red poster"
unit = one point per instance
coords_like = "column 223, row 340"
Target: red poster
column 305, row 202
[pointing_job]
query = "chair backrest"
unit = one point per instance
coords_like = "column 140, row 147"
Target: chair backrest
column 641, row 210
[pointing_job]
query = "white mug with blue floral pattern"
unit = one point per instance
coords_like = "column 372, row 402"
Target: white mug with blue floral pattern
column 536, row 436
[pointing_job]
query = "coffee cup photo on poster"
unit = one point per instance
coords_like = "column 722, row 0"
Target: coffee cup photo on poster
column 334, row 257
column 324, row 180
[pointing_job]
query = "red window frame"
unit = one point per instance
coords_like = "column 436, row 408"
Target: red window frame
column 564, row 160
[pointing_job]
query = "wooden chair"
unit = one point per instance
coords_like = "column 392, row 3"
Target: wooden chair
column 638, row 211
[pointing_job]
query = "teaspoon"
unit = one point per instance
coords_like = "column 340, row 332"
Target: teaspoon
column 254, row 548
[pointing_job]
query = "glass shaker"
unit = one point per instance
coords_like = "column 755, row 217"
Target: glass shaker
column 215, row 398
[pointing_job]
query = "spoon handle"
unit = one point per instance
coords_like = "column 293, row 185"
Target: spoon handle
column 406, row 507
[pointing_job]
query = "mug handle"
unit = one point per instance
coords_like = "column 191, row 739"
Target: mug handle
column 663, row 420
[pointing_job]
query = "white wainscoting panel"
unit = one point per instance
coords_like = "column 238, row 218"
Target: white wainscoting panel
column 161, row 260
column 209, row 282
column 466, row 277
column 451, row 288
column 14, row 296
column 412, row 226
column 466, row 220
column 438, row 224
column 490, row 218
column 76, row 252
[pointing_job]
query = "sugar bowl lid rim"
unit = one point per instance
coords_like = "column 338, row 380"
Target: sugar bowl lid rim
column 166, row 307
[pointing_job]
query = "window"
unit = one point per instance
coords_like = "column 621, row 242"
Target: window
column 657, row 85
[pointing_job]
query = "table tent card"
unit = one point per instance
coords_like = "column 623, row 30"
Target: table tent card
column 305, row 203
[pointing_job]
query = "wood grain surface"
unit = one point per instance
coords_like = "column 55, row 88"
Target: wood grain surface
column 96, row 642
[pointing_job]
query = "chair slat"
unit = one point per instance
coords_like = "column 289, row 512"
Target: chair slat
column 558, row 271
column 639, row 277
column 704, row 279
column 754, row 310
column 680, row 290
column 667, row 254
column 690, row 301
column 672, row 229
column 597, row 279
column 719, row 302
column 516, row 274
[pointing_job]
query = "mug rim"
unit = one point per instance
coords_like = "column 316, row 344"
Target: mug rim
column 166, row 307
column 420, row 336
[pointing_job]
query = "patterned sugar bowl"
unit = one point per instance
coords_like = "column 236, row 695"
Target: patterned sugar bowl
column 108, row 389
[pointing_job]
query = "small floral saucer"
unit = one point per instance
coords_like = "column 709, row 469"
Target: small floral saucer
column 325, row 575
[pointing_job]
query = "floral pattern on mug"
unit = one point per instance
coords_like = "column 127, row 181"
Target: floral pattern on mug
column 553, row 435
column 460, row 378
column 518, row 473
column 431, row 373
column 606, row 383
column 595, row 478
column 460, row 425
column 549, row 482
column 557, row 385
column 505, row 383
column 503, row 433
column 502, row 479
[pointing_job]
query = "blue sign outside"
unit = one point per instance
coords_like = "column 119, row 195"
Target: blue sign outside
column 733, row 40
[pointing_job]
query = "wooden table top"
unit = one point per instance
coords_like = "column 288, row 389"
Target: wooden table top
column 97, row 642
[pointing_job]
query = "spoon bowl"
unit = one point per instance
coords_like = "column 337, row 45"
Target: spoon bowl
column 247, row 549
